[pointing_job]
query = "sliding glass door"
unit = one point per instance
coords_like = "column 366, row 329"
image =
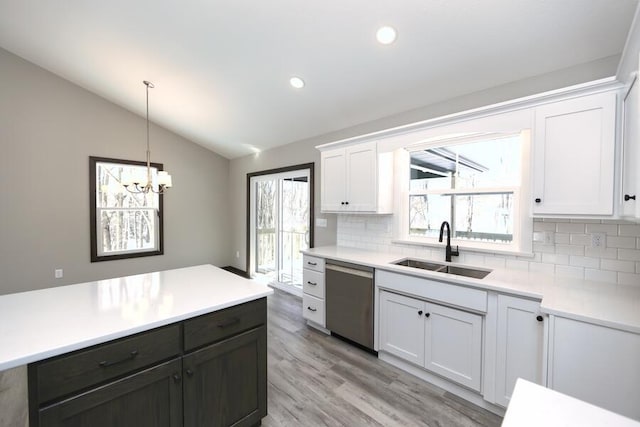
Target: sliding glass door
column 280, row 214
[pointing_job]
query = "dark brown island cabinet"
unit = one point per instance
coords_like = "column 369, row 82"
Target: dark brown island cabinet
column 205, row 371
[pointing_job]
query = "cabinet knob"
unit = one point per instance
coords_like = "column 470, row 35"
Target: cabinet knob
column 420, row 313
column 190, row 372
column 427, row 314
column 176, row 378
column 342, row 203
column 346, row 203
column 538, row 200
column 539, row 318
column 628, row 197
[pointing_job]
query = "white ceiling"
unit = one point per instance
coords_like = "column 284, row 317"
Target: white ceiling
column 221, row 68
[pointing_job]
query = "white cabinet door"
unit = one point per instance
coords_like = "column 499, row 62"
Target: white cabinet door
column 453, row 344
column 333, row 192
column 596, row 364
column 402, row 327
column 630, row 195
column 574, row 147
column 520, row 345
column 361, row 178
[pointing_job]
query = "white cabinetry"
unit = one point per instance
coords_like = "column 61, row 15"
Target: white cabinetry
column 573, row 162
column 520, row 349
column 356, row 179
column 313, row 306
column 596, row 364
column 630, row 194
column 441, row 339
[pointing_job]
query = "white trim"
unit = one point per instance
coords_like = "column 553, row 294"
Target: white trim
column 463, row 245
column 600, row 85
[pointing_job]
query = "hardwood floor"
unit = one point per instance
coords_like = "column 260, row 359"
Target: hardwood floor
column 318, row 380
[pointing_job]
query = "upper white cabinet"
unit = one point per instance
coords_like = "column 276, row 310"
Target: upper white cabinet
column 574, row 150
column 520, row 345
column 630, row 194
column 356, row 178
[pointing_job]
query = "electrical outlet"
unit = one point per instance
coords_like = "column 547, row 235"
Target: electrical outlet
column 237, row 254
column 598, row 240
column 58, row 273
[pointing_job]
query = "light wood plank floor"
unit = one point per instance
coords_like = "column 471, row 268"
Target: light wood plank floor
column 319, row 380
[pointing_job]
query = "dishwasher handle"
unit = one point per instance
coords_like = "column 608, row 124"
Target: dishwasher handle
column 347, row 270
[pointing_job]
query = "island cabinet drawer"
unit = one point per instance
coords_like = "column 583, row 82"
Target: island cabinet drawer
column 313, row 283
column 313, row 263
column 76, row 371
column 219, row 325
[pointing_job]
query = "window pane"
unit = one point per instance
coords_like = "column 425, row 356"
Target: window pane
column 487, row 217
column 479, row 164
column 111, row 193
column 127, row 230
column 427, row 213
column 266, row 226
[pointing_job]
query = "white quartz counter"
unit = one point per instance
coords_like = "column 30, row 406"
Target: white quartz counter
column 39, row 324
column 532, row 405
column 597, row 302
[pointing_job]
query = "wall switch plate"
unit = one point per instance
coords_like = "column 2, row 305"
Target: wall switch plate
column 321, row 222
column 58, row 273
column 237, row 254
column 598, row 240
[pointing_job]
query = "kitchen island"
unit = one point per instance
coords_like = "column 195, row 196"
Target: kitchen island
column 197, row 307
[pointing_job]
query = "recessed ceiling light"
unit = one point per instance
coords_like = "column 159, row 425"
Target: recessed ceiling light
column 296, row 82
column 386, row 35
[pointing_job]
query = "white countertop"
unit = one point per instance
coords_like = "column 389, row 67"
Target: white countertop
column 39, row 324
column 532, row 405
column 602, row 303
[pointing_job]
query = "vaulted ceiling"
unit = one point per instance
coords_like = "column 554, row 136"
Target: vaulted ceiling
column 222, row 68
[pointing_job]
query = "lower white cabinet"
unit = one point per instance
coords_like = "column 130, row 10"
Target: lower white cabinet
column 520, row 348
column 313, row 309
column 597, row 364
column 441, row 339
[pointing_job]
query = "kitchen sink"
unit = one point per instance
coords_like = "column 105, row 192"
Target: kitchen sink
column 464, row 271
column 424, row 265
column 474, row 273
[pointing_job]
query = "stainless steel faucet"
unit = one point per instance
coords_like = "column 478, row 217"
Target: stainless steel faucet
column 448, row 251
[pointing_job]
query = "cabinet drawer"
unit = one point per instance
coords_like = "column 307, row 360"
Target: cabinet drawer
column 216, row 326
column 313, row 283
column 313, row 263
column 73, row 372
column 313, row 309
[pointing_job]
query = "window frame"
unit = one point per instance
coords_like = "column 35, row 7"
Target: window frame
column 93, row 218
column 523, row 223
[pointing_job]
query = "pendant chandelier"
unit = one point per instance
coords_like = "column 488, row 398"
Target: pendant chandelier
column 164, row 179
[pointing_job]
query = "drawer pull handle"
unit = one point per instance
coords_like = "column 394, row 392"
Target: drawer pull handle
column 311, row 283
column 131, row 356
column 229, row 322
column 312, row 263
column 312, row 309
column 628, row 197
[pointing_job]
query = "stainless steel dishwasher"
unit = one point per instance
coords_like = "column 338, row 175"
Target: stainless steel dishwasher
column 349, row 301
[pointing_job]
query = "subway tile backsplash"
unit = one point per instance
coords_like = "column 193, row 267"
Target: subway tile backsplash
column 571, row 254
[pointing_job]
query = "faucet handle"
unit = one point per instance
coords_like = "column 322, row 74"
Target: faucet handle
column 456, row 252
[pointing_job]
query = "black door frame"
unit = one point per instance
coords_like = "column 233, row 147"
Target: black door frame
column 311, row 167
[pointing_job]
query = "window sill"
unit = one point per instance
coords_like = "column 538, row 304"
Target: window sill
column 465, row 248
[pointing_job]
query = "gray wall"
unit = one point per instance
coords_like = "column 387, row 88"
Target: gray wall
column 304, row 151
column 629, row 61
column 48, row 129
